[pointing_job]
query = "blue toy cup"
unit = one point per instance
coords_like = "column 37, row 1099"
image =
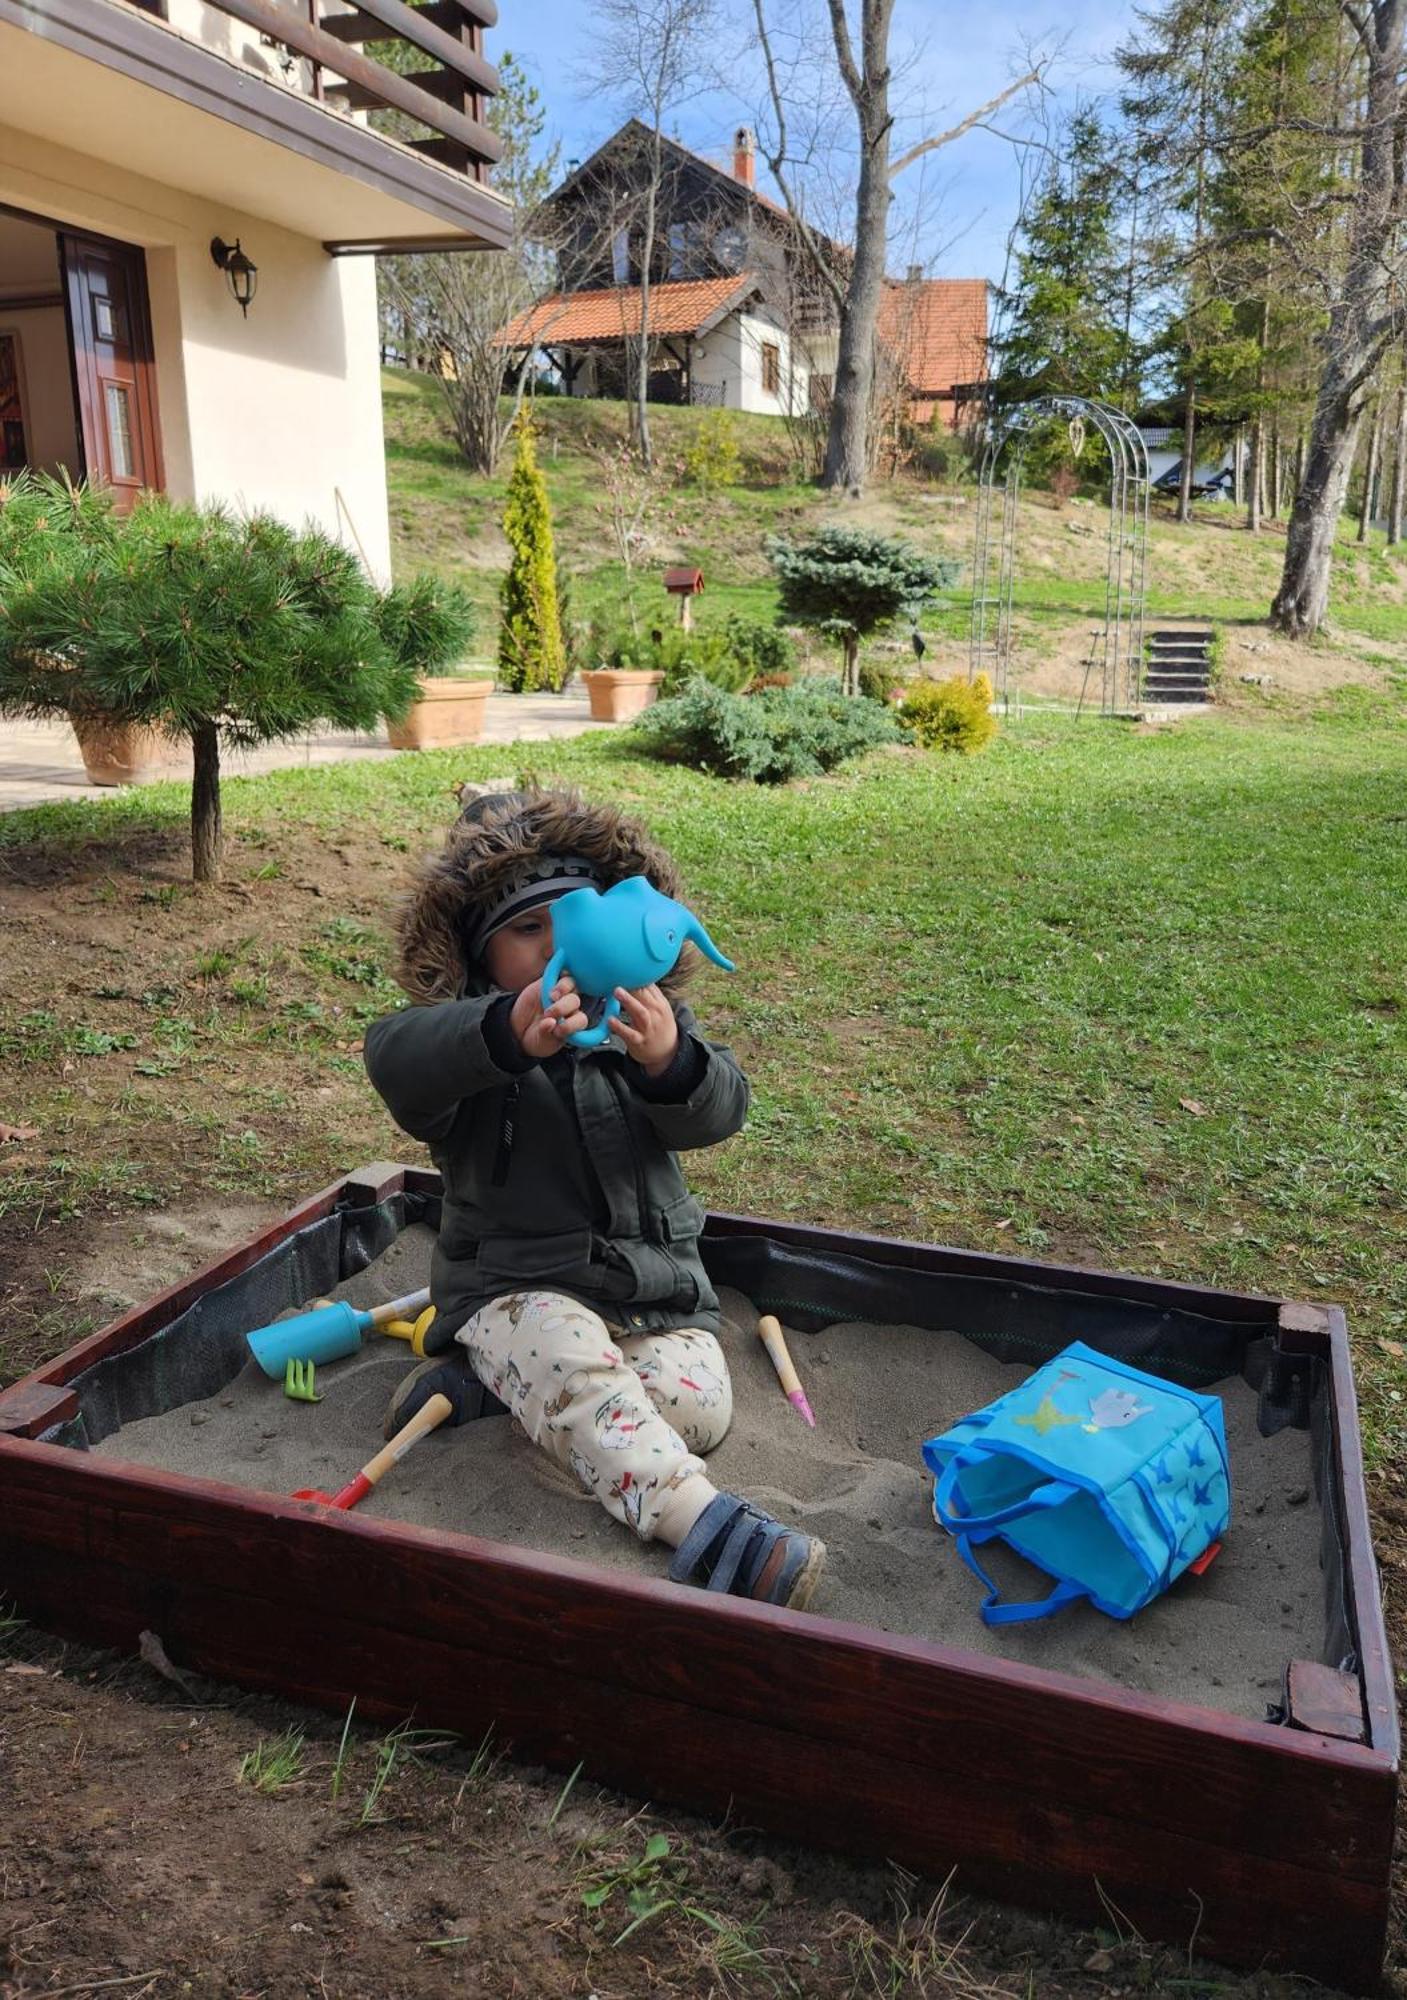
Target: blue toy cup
column 329, row 1333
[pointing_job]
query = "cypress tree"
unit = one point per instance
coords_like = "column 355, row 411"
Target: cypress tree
column 530, row 651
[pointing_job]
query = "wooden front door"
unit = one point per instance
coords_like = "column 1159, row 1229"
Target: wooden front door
column 114, row 368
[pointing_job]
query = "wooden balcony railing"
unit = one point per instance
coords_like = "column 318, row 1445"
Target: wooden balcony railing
column 446, row 99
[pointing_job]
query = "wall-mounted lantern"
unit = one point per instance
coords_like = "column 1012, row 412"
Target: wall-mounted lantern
column 685, row 584
column 243, row 276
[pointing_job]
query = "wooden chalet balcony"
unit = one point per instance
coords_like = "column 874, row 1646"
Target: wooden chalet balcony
column 446, row 98
column 302, row 76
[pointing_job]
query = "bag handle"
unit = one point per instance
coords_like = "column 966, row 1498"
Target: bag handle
column 996, row 1613
column 1049, row 1495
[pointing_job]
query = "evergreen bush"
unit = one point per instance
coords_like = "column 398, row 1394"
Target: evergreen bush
column 205, row 625
column 531, row 655
column 879, row 681
column 950, row 715
column 780, row 734
column 705, row 651
column 768, row 652
column 849, row 583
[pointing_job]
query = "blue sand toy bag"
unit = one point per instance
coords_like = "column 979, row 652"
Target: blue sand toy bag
column 1110, row 1480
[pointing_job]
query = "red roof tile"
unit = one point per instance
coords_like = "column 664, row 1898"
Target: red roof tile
column 578, row 318
column 938, row 328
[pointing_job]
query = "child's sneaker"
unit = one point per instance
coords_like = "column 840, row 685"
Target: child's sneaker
column 736, row 1548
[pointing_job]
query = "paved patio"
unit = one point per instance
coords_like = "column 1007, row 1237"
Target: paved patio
column 39, row 761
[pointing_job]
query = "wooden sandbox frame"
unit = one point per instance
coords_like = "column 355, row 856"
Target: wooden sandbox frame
column 1266, row 1843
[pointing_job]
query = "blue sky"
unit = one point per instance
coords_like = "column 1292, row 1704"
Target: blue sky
column 957, row 218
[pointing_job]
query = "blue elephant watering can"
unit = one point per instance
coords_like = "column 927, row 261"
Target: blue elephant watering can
column 630, row 936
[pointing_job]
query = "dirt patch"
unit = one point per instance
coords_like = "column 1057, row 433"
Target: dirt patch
column 135, row 1859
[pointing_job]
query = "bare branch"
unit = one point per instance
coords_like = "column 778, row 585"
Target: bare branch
column 844, row 51
column 974, row 118
column 777, row 162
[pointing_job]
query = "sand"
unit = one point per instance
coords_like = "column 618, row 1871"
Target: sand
column 1221, row 1641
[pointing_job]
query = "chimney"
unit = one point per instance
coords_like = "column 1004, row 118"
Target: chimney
column 915, row 274
column 745, row 157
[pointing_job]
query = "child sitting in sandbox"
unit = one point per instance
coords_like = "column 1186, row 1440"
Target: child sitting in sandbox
column 567, row 1277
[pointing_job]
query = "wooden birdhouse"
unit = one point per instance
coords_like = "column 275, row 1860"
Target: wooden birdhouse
column 685, row 583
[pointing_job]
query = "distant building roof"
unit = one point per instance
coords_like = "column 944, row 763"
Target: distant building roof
column 579, row 319
column 938, row 328
column 634, row 128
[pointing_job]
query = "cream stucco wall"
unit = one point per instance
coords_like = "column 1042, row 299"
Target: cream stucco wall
column 281, row 410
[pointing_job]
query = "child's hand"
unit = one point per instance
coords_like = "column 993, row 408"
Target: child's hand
column 542, row 1034
column 647, row 1027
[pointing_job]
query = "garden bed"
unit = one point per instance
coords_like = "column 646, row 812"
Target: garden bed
column 1085, row 1759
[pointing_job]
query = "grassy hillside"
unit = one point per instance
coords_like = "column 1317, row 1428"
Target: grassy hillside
column 444, row 517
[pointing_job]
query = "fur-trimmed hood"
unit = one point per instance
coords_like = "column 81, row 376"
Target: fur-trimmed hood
column 485, row 850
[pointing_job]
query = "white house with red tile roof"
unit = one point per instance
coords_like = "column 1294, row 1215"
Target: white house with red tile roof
column 736, row 317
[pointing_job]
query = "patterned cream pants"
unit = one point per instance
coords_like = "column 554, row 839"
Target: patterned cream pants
column 628, row 1414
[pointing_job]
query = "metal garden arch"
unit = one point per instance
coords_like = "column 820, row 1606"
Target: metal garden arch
column 1118, row 650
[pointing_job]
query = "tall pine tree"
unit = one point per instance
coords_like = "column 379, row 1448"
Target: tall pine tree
column 1175, row 69
column 1063, row 329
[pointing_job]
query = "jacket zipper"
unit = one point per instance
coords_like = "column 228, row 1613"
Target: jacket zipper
column 622, row 1092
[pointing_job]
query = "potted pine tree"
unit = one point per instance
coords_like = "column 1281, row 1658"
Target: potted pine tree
column 449, row 705
column 205, row 625
column 625, row 679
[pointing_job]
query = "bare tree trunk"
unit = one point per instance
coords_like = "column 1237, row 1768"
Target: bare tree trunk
column 1303, row 596
column 205, row 803
column 1361, row 324
column 1370, row 472
column 1189, row 452
column 1253, row 500
column 847, row 441
column 850, row 677
column 1399, row 465
column 1277, row 469
column 857, row 301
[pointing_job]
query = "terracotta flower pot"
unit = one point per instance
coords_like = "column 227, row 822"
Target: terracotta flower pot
column 122, row 753
column 618, row 693
column 450, row 710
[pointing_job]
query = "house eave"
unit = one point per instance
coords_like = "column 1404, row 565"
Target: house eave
column 356, row 190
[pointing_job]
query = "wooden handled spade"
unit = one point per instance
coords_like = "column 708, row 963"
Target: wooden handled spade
column 424, row 1421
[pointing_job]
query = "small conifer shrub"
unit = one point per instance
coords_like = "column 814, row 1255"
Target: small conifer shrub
column 850, row 583
column 771, row 737
column 950, row 715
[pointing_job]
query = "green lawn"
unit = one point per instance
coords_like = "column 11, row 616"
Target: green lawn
column 1097, row 995
column 445, row 518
